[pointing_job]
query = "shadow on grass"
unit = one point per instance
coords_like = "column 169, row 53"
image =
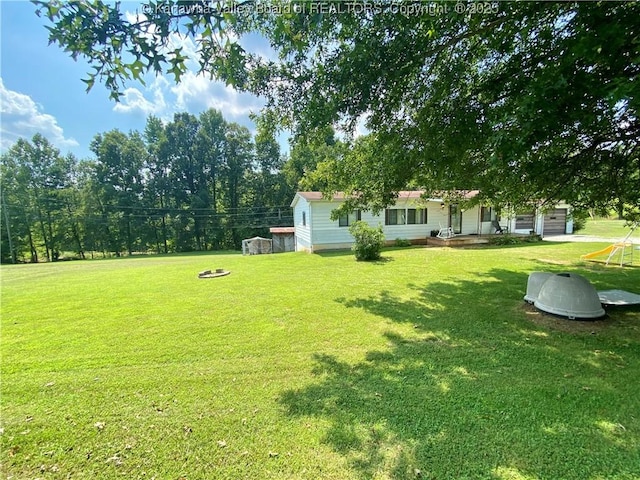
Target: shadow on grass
column 348, row 253
column 334, row 253
column 540, row 244
column 477, row 391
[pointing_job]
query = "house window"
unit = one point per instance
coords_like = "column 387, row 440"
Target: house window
column 304, row 219
column 348, row 218
column 409, row 216
column 416, row 216
column 485, row 214
column 395, row 216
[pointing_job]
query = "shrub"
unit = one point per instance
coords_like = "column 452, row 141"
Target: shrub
column 402, row 242
column 532, row 238
column 579, row 219
column 508, row 239
column 368, row 241
column 505, row 239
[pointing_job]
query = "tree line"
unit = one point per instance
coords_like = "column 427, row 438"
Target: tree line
column 524, row 101
column 192, row 184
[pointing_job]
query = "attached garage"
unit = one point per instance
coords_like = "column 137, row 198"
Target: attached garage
column 555, row 222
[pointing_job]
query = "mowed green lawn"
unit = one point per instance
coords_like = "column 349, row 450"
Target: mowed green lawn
column 297, row 366
column 617, row 229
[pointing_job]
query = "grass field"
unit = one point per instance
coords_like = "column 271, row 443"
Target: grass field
column 424, row 365
column 608, row 229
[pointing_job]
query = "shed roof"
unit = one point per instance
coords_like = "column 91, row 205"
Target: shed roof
column 282, row 229
column 256, row 238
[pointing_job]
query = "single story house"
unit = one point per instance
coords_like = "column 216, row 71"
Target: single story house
column 411, row 218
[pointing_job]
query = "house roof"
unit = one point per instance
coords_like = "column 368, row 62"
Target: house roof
column 402, row 195
column 466, row 194
column 317, row 196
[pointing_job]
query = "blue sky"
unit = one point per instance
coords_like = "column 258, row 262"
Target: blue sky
column 41, row 90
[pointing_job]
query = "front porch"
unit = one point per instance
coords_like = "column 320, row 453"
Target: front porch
column 465, row 240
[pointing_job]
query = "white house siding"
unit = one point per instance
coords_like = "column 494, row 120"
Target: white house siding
column 487, row 228
column 470, row 220
column 302, row 232
column 326, row 233
column 413, row 231
column 538, row 222
column 569, row 221
column 322, row 233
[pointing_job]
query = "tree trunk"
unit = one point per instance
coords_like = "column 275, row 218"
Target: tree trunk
column 164, row 234
column 620, row 210
column 75, row 233
column 164, row 225
column 8, row 227
column 34, row 252
column 54, row 253
column 155, row 236
column 129, row 242
column 44, row 234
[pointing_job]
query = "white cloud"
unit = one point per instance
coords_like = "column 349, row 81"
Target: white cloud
column 198, row 92
column 195, row 92
column 133, row 100
column 23, row 118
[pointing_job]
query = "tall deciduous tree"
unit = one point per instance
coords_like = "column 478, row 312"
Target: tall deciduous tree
column 34, row 175
column 269, row 189
column 189, row 179
column 524, row 100
column 157, row 188
column 237, row 155
column 308, row 152
column 119, row 160
column 210, row 145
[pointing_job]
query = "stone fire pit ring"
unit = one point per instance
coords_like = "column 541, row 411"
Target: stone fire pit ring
column 218, row 272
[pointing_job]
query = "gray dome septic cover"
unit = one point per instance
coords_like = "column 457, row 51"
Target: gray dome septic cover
column 534, row 283
column 569, row 295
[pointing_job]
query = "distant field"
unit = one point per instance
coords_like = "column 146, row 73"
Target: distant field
column 608, row 229
column 424, row 365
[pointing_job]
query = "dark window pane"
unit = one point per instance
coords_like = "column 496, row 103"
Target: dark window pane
column 411, row 216
column 486, row 214
column 391, row 216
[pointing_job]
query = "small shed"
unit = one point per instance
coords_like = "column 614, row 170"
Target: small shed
column 256, row 246
column 284, row 239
